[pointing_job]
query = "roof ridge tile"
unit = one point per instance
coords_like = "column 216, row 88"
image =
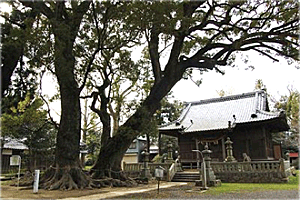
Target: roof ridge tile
column 226, row 98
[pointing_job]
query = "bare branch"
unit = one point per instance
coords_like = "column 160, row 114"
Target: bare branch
column 92, row 58
column 41, row 6
column 264, row 53
column 23, row 26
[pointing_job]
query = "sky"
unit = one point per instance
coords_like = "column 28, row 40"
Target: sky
column 276, row 76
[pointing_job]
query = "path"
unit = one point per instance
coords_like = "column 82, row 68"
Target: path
column 114, row 192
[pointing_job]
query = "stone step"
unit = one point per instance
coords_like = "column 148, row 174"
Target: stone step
column 183, row 180
column 185, row 177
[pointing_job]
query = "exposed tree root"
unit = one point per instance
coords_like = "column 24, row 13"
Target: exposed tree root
column 74, row 178
column 26, row 180
column 66, row 179
column 114, row 179
column 110, row 182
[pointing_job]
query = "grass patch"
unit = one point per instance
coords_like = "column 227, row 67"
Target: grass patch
column 293, row 184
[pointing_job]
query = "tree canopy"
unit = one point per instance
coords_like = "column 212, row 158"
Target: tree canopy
column 86, row 40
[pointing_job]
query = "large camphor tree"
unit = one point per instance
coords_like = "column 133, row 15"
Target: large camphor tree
column 188, row 34
column 202, row 35
column 63, row 24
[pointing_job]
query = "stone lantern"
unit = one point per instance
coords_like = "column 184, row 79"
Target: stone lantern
column 146, row 169
column 170, row 153
column 208, row 176
column 229, row 151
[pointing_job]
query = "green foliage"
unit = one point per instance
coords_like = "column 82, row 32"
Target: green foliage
column 165, row 140
column 93, row 145
column 290, row 104
column 293, row 184
column 223, row 93
column 24, row 83
column 169, row 111
column 259, row 85
column 251, row 187
column 28, row 121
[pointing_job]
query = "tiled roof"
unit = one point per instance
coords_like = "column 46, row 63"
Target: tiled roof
column 15, row 144
column 215, row 114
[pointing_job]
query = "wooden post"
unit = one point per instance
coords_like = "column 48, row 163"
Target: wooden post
column 198, row 157
column 159, row 144
column 265, row 142
column 223, row 149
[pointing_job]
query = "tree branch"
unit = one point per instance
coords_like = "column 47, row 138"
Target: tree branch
column 92, row 58
column 78, row 15
column 40, row 6
column 154, row 55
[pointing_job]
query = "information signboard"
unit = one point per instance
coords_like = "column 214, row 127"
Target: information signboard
column 15, row 160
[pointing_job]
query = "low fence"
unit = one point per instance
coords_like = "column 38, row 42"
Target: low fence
column 228, row 172
column 252, row 172
column 134, row 169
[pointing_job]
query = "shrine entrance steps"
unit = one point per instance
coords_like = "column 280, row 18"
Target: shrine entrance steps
column 186, row 176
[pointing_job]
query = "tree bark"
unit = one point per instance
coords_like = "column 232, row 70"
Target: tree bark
column 111, row 154
column 67, row 171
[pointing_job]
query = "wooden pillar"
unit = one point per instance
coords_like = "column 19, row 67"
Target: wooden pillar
column 178, row 142
column 265, row 142
column 198, row 158
column 159, row 144
column 223, row 148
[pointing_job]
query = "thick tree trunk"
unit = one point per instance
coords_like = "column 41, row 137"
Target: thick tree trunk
column 111, row 155
column 70, row 122
column 66, row 172
column 109, row 159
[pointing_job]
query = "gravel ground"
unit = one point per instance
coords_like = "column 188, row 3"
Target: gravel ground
column 282, row 194
column 188, row 192
column 168, row 190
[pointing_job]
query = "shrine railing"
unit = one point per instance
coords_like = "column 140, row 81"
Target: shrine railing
column 139, row 166
column 253, row 166
column 175, row 167
column 254, row 171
